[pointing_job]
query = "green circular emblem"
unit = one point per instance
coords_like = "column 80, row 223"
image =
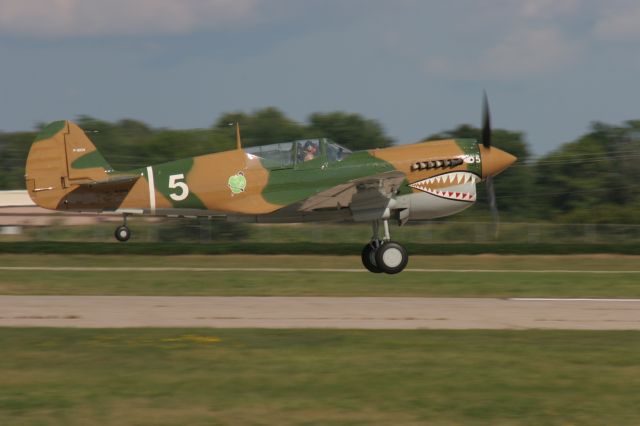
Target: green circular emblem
column 237, row 183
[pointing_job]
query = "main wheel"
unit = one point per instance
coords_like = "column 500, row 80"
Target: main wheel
column 122, row 233
column 369, row 257
column 391, row 258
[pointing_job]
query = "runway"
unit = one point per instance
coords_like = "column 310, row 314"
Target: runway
column 320, row 312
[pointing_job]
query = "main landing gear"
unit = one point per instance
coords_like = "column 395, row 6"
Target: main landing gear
column 382, row 254
column 123, row 233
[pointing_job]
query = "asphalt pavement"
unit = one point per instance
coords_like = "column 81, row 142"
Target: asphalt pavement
column 320, row 312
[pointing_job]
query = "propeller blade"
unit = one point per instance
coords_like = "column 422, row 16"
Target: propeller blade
column 486, row 122
column 493, row 206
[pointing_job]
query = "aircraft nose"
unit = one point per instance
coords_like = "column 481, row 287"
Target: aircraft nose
column 494, row 160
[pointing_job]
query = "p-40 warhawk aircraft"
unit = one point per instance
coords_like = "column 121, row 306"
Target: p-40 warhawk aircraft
column 299, row 181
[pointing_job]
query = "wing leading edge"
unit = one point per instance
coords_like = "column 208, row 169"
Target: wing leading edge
column 360, row 193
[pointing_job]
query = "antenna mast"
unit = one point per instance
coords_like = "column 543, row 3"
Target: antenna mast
column 238, row 140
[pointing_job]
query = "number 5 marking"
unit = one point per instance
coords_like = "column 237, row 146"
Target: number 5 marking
column 174, row 183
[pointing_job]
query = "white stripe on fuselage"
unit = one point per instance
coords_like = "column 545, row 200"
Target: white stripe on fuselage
column 152, row 190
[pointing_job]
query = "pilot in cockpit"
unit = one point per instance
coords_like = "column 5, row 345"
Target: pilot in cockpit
column 310, row 150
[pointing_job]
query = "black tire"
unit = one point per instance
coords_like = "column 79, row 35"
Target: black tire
column 122, row 233
column 391, row 258
column 369, row 257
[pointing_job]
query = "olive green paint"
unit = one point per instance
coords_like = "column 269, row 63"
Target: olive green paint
column 50, row 131
column 287, row 186
column 91, row 160
column 470, row 147
column 161, row 174
column 404, row 188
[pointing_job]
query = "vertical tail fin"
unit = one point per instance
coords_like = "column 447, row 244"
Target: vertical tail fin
column 60, row 156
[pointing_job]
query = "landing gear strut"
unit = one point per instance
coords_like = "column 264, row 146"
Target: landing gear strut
column 382, row 254
column 123, row 233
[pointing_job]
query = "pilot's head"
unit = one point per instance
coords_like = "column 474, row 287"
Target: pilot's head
column 310, row 147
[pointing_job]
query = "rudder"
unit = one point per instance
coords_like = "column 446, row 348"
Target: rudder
column 61, row 155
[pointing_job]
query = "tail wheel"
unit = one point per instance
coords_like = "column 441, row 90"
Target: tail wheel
column 391, row 258
column 122, row 233
column 369, row 257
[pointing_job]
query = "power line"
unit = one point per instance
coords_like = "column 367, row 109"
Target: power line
column 570, row 192
column 579, row 161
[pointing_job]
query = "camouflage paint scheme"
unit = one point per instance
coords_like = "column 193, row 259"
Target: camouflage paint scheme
column 64, row 171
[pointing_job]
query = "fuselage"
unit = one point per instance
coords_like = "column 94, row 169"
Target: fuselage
column 438, row 178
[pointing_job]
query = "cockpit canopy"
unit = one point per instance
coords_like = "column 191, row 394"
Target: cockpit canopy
column 290, row 154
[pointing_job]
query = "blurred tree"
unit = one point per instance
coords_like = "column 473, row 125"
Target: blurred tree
column 270, row 125
column 14, row 148
column 350, row 130
column 593, row 179
column 205, row 231
column 262, row 127
column 128, row 144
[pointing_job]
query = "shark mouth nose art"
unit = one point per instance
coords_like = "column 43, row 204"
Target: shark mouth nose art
column 459, row 186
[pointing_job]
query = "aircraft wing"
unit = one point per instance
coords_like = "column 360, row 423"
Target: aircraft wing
column 359, row 193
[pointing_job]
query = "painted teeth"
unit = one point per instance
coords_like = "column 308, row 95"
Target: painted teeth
column 448, row 180
column 456, row 178
column 452, row 195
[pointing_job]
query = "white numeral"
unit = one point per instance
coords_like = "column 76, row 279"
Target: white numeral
column 471, row 159
column 174, row 183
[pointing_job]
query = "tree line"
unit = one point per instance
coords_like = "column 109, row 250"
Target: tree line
column 593, row 179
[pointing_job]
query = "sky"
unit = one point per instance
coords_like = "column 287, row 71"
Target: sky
column 550, row 67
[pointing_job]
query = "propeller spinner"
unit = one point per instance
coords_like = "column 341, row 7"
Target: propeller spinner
column 494, row 160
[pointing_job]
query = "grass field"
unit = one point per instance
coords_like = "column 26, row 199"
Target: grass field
column 205, row 377
column 305, row 377
column 458, row 232
column 267, row 247
column 304, row 283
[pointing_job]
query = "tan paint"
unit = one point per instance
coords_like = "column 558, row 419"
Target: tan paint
column 46, row 168
column 138, row 196
column 77, row 145
column 53, row 184
column 495, row 160
column 209, row 176
column 402, row 157
column 162, row 202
